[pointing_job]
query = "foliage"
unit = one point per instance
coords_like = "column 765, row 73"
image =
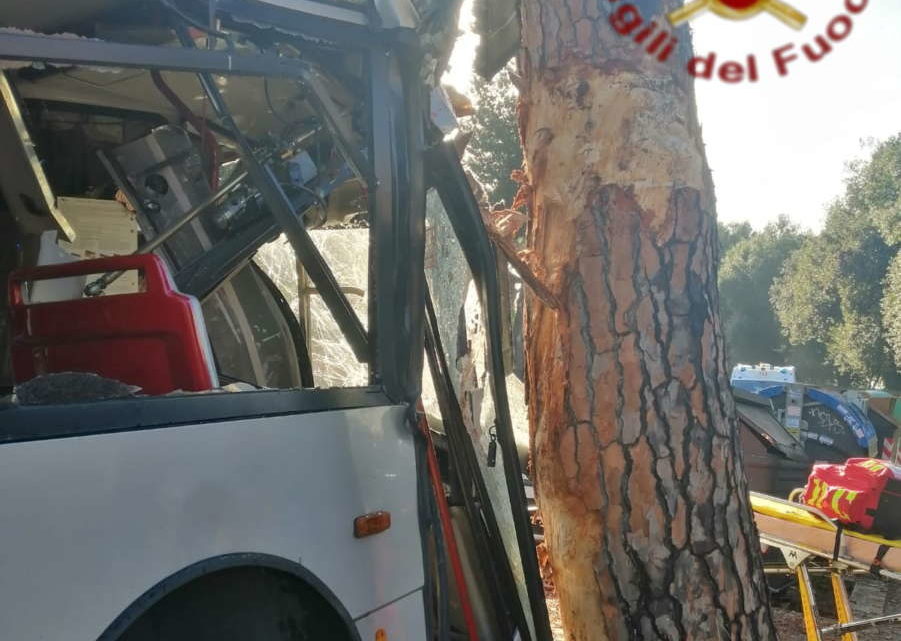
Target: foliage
column 874, row 186
column 751, row 262
column 747, row 272
column 730, row 234
column 494, row 151
column 891, row 307
column 837, row 290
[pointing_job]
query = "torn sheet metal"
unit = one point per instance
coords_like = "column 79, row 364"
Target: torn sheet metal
column 103, row 227
column 21, row 64
column 24, row 184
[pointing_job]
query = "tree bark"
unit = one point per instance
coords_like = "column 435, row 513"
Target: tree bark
column 637, row 462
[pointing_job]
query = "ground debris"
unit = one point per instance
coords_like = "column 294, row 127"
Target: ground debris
column 790, row 624
column 553, row 610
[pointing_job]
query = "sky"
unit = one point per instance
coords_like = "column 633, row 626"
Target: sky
column 780, row 145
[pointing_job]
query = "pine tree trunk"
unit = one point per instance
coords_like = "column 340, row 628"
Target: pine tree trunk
column 636, row 457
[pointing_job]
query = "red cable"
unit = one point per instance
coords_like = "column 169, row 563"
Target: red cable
column 448, row 529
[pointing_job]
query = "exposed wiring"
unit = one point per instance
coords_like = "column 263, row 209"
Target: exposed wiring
column 171, row 6
column 441, row 589
column 289, row 125
column 272, row 109
column 319, row 199
column 207, row 139
column 447, row 528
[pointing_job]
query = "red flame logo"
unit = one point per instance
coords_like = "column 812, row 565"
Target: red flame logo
column 740, row 10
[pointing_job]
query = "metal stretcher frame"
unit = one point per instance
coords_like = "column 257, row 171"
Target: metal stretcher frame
column 806, row 535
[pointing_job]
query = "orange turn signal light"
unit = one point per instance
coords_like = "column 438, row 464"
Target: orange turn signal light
column 372, row 523
column 381, row 635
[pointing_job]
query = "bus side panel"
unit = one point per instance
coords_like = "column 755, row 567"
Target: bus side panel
column 403, row 620
column 88, row 524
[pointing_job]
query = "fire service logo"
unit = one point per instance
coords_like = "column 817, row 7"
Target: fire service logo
column 739, row 10
column 658, row 40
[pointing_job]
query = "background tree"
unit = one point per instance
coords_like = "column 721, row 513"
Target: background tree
column 635, row 456
column 730, row 234
column 494, row 152
column 891, row 307
column 750, row 264
column 747, row 272
column 833, row 289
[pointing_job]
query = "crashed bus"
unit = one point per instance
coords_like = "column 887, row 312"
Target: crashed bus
column 176, row 462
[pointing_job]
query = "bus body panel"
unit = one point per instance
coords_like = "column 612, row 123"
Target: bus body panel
column 91, row 523
column 402, row 620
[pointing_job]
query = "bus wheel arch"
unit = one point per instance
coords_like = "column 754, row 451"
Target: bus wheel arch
column 235, row 596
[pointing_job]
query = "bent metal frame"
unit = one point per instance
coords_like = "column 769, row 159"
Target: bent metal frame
column 396, row 184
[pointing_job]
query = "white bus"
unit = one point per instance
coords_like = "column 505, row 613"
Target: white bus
column 175, row 461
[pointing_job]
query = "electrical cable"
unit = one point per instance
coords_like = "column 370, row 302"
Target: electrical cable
column 319, row 199
column 171, row 6
column 508, row 612
column 436, row 585
column 447, row 528
column 272, row 110
column 441, row 562
column 269, row 104
column 207, row 139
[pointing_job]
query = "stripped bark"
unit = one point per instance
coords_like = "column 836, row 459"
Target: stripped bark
column 638, row 471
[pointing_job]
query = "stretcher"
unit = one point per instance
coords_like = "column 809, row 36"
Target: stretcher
column 809, row 540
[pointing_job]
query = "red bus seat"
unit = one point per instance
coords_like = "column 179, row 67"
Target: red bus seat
column 154, row 338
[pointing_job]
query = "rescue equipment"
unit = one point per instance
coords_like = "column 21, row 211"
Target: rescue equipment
column 810, row 541
column 864, row 493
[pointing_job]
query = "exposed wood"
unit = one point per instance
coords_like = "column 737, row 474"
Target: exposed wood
column 636, row 459
column 522, row 267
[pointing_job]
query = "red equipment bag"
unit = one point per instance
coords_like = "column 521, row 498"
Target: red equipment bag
column 863, row 492
column 154, row 338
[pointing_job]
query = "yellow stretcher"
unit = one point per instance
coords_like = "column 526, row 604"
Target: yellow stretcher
column 807, row 537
